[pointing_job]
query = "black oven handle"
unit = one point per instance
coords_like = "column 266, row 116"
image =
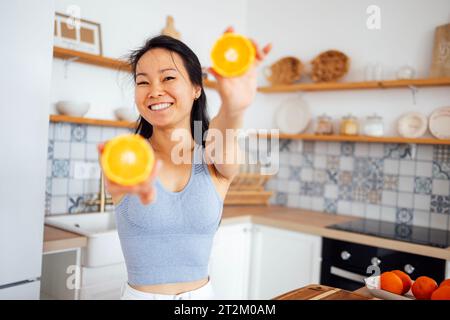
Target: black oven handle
column 347, row 274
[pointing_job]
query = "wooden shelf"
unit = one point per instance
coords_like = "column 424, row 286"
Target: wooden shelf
column 90, row 121
column 335, row 86
column 92, row 59
column 342, row 138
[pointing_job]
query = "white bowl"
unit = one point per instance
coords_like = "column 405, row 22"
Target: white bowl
column 126, row 114
column 412, row 125
column 72, row 108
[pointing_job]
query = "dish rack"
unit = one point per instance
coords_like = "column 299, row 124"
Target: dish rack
column 248, row 189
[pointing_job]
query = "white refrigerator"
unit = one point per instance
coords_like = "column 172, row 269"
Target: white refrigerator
column 26, row 37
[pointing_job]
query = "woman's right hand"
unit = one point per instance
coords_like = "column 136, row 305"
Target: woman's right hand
column 145, row 190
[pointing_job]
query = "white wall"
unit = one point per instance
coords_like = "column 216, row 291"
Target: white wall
column 304, row 28
column 126, row 25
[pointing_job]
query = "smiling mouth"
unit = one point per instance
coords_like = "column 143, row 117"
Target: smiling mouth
column 160, row 106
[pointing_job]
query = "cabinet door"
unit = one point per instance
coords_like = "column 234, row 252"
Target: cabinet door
column 282, row 261
column 230, row 262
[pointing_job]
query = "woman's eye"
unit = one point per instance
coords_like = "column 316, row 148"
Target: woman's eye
column 168, row 78
column 141, row 83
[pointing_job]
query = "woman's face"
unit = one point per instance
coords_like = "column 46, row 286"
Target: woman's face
column 164, row 93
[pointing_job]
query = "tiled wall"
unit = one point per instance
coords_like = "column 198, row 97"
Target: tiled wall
column 69, row 144
column 401, row 183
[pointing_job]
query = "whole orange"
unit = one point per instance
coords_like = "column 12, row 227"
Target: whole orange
column 406, row 280
column 391, row 282
column 424, row 287
column 442, row 293
column 444, row 283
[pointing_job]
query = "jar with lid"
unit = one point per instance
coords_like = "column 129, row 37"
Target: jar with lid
column 373, row 126
column 324, row 125
column 349, row 125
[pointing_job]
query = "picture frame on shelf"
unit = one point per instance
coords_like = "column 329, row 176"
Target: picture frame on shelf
column 77, row 34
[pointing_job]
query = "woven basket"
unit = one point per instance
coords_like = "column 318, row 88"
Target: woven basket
column 285, row 71
column 329, row 66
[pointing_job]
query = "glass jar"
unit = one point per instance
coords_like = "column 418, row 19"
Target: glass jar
column 349, row 126
column 373, row 126
column 324, row 125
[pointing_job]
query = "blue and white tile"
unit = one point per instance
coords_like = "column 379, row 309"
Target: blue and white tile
column 294, row 186
column 332, row 176
column 441, row 153
column 397, row 151
column 91, row 151
column 48, row 185
column 283, row 185
column 330, row 205
column 294, row 173
column 373, row 212
column 346, row 164
column 284, row 158
column 77, row 204
column 407, row 167
column 295, row 159
column 59, row 186
column 421, row 218
column 94, row 134
column 424, row 169
column 441, row 170
column 297, row 146
column 423, row 185
column 361, row 165
column 307, row 174
column 320, row 176
column 51, row 131
column 389, row 198
column 361, row 150
column 318, row 203
column 441, row 187
column 440, row 204
column 108, row 133
column 376, row 150
column 346, row 193
column 61, row 150
column 78, row 132
column 76, row 186
column 439, row 221
column 78, row 151
column 405, row 200
column 62, row 131
column 320, row 161
column 58, row 205
column 308, row 161
column 91, row 186
column 358, row 194
column 404, row 216
column 293, row 201
column 391, row 166
column 284, row 172
column 347, row 149
column 305, row 202
column 390, row 182
column 334, row 149
column 406, row 184
column 308, row 147
column 49, row 168
column 358, row 209
column 344, row 207
column 374, row 196
column 388, row 214
column 333, row 162
column 331, row 191
column 425, row 152
column 285, row 145
column 346, row 178
column 60, row 168
column 50, row 149
column 320, row 148
column 422, row 202
column 281, row 199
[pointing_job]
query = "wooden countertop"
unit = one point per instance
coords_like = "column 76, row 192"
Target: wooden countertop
column 313, row 222
column 56, row 239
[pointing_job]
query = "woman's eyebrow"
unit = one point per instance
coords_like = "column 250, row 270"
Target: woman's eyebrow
column 160, row 71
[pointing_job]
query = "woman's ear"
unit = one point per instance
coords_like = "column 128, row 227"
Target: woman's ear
column 198, row 93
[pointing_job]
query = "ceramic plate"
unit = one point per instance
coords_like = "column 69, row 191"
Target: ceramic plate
column 412, row 125
column 440, row 123
column 373, row 285
column 293, row 116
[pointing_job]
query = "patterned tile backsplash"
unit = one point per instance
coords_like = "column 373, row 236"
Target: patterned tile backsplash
column 68, row 145
column 402, row 183
column 393, row 182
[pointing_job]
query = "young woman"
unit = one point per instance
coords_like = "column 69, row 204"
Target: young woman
column 167, row 224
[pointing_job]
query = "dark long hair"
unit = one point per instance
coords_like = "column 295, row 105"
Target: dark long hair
column 192, row 64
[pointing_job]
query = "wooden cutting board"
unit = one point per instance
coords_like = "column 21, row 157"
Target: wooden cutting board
column 320, row 292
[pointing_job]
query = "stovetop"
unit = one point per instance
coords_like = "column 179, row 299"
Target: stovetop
column 401, row 232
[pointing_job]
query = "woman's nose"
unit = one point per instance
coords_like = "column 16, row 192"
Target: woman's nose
column 155, row 91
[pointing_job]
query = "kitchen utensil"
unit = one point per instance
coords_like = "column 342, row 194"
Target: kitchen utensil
column 126, row 114
column 374, row 287
column 293, row 116
column 439, row 123
column 329, row 66
column 72, row 108
column 285, row 71
column 412, row 125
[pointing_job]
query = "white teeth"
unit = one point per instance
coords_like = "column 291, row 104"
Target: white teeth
column 160, row 106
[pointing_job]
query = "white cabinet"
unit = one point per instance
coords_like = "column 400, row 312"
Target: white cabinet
column 282, row 260
column 230, row 261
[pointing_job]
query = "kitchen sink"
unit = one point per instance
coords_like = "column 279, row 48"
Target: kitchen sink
column 103, row 245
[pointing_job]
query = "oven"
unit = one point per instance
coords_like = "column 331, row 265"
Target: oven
column 345, row 264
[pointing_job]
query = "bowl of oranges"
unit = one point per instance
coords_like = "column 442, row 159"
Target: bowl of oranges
column 397, row 285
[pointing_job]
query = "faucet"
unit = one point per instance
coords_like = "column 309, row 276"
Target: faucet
column 102, row 199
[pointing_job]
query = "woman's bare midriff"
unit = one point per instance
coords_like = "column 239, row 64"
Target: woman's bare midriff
column 172, row 288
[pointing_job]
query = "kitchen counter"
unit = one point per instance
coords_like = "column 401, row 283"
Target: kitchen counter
column 56, row 240
column 313, row 222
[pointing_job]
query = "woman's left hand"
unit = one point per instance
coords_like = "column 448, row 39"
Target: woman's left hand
column 237, row 93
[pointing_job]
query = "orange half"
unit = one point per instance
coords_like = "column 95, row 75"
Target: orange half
column 232, row 55
column 127, row 159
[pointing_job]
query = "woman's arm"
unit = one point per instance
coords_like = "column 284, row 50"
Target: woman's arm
column 237, row 94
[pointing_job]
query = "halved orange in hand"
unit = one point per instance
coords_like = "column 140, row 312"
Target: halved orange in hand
column 127, row 159
column 232, row 55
